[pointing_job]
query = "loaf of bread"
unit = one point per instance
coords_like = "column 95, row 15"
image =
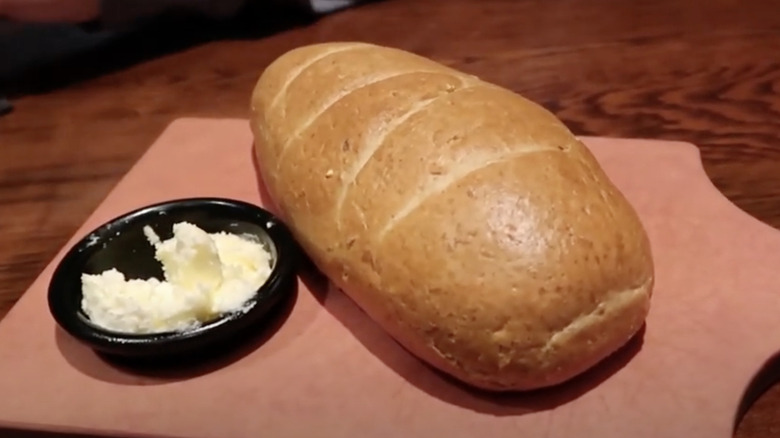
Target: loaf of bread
column 466, row 220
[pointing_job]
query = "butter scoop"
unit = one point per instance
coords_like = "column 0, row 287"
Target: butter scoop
column 190, row 259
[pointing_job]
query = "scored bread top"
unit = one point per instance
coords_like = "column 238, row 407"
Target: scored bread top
column 465, row 219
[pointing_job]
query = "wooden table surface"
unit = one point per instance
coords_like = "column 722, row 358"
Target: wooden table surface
column 707, row 72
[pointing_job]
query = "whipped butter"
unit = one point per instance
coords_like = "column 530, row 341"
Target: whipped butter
column 206, row 275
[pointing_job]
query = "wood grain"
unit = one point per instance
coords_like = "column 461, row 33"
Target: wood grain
column 704, row 72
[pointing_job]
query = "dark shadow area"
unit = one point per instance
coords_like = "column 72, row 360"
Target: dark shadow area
column 765, row 378
column 21, row 433
column 140, row 373
column 434, row 382
column 38, row 59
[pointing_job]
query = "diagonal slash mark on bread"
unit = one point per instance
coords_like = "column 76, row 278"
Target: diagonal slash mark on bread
column 298, row 70
column 615, row 303
column 377, row 139
column 472, row 163
column 334, row 98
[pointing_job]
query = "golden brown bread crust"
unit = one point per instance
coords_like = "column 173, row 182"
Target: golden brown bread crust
column 464, row 219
